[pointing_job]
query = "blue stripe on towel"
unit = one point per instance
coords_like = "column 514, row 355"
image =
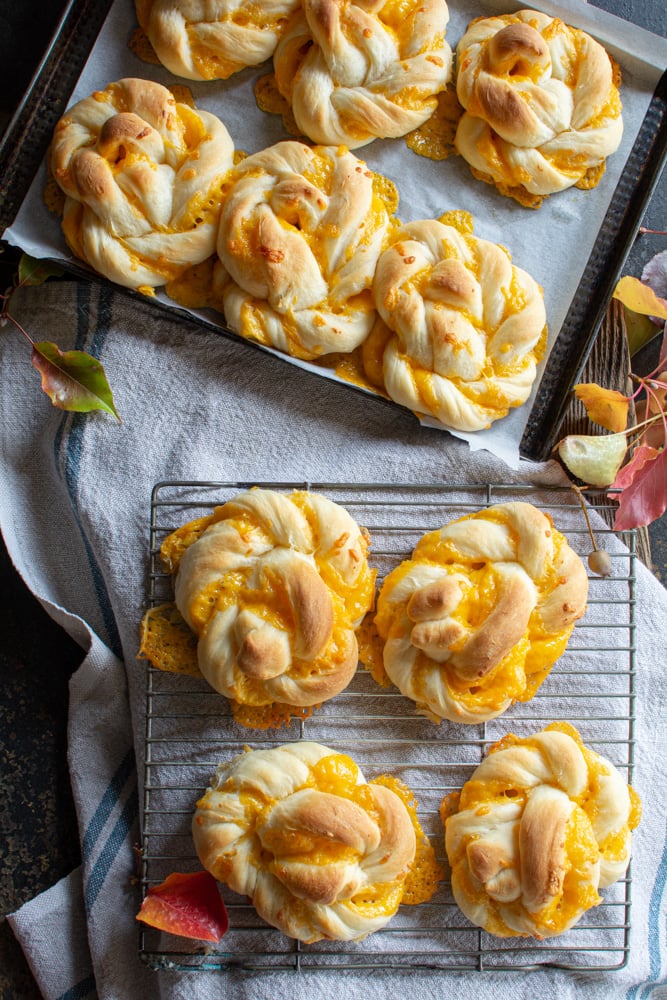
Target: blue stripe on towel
column 74, row 443
column 81, row 990
column 654, row 917
column 111, row 849
column 107, row 803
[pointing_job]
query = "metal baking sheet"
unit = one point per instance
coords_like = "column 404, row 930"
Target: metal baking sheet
column 90, row 49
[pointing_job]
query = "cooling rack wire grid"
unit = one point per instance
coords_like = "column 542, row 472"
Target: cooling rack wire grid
column 189, row 731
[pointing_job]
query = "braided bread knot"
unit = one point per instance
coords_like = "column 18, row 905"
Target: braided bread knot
column 467, row 325
column 274, row 588
column 141, row 174
column 541, row 825
column 479, row 614
column 541, row 106
column 320, row 852
column 353, row 71
column 212, row 39
column 300, row 234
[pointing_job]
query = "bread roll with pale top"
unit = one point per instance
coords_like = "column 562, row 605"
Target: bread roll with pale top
column 300, row 234
column 542, row 108
column 142, row 175
column 476, row 618
column 541, row 826
column 356, row 70
column 320, row 852
column 212, row 39
column 467, row 326
column 274, row 586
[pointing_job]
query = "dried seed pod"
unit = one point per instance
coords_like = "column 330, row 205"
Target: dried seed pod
column 599, row 562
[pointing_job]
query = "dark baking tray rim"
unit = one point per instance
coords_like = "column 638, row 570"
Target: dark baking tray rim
column 27, row 136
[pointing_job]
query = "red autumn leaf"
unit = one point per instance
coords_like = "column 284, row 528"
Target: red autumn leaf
column 605, row 407
column 644, row 500
column 627, row 474
column 188, row 905
column 653, row 405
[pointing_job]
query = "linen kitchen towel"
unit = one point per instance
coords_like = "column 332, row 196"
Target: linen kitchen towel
column 74, row 505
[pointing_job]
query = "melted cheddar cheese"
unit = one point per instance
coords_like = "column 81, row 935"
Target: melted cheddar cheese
column 338, row 774
column 168, row 643
column 581, row 848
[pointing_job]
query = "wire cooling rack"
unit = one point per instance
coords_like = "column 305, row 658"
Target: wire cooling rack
column 189, row 731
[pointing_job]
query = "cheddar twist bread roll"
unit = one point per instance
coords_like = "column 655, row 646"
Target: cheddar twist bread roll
column 212, row 39
column 300, row 234
column 468, row 325
column 274, row 587
column 320, row 852
column 142, row 177
column 477, row 617
column 356, row 71
column 542, row 824
column 541, row 106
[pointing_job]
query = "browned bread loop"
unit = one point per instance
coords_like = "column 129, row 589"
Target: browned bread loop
column 468, row 325
column 211, row 39
column 320, row 852
column 541, row 105
column 300, row 235
column 541, row 825
column 354, row 70
column 274, row 587
column 476, row 618
column 142, row 176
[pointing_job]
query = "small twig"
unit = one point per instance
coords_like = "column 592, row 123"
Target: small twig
column 579, row 493
column 599, row 561
column 6, row 316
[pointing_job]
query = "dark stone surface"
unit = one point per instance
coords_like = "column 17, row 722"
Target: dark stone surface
column 38, row 841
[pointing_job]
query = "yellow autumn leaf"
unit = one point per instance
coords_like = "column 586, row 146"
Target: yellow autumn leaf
column 595, row 459
column 605, row 407
column 635, row 295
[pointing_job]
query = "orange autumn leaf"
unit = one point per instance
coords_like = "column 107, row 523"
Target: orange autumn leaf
column 636, row 295
column 605, row 407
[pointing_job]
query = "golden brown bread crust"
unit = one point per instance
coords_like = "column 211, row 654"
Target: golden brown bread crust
column 274, row 588
column 479, row 614
column 212, row 39
column 467, row 325
column 354, row 70
column 298, row 830
column 540, row 826
column 300, row 234
column 142, row 175
column 541, row 105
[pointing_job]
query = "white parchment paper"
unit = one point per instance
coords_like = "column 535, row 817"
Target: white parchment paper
column 552, row 243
